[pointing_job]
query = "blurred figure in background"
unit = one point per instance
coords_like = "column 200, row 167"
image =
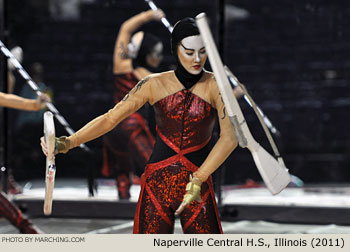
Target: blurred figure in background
column 35, row 117
column 7, row 209
column 28, row 102
column 28, row 127
column 130, row 144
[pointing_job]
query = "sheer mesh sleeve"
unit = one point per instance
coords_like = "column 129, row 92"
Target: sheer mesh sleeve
column 134, row 100
column 227, row 141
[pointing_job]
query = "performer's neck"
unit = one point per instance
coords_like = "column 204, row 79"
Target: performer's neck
column 187, row 79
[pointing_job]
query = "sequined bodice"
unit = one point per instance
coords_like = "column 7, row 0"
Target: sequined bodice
column 185, row 119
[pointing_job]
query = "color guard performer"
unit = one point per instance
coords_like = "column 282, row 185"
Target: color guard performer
column 186, row 104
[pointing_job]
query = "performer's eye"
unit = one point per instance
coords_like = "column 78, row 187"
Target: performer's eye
column 189, row 53
column 203, row 51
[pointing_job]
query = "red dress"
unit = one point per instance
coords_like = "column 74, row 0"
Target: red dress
column 184, row 128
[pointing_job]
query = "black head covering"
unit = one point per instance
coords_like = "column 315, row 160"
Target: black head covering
column 184, row 28
column 148, row 43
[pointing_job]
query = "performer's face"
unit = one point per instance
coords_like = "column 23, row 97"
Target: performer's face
column 192, row 54
column 155, row 57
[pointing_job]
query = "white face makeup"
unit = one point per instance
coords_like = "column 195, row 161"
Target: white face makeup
column 192, row 54
column 155, row 56
column 157, row 50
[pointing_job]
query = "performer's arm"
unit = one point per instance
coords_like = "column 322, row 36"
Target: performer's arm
column 121, row 63
column 136, row 98
column 17, row 102
column 226, row 143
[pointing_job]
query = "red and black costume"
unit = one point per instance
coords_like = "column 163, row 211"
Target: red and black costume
column 130, row 141
column 184, row 128
column 14, row 215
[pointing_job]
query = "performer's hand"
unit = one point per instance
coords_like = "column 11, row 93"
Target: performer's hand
column 158, row 14
column 193, row 190
column 62, row 145
column 42, row 100
column 43, row 145
column 238, row 92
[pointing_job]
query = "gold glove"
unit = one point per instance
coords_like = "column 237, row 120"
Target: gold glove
column 62, row 144
column 193, row 192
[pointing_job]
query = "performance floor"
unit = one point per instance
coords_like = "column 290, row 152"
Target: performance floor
column 311, row 209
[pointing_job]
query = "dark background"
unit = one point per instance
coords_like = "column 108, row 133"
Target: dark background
column 293, row 56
